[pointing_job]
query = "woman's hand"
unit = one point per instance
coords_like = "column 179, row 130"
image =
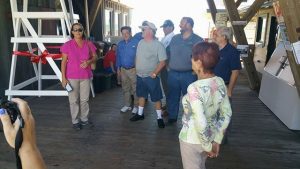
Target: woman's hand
column 215, row 150
column 84, row 64
column 64, row 82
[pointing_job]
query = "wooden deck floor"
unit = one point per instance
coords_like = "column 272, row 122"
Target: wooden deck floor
column 258, row 140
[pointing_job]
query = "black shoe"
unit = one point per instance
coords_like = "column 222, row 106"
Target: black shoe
column 137, row 117
column 87, row 124
column 77, row 126
column 160, row 123
column 172, row 121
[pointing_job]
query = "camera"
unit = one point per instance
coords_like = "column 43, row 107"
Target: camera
column 11, row 109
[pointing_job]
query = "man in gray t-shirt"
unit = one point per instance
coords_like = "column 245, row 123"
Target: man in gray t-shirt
column 150, row 59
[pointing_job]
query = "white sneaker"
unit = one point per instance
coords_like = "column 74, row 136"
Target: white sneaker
column 125, row 109
column 134, row 110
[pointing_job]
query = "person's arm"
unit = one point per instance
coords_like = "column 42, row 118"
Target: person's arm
column 118, row 57
column 93, row 58
column 63, row 66
column 235, row 66
column 232, row 82
column 29, row 153
column 112, row 67
column 158, row 69
column 162, row 57
column 224, row 118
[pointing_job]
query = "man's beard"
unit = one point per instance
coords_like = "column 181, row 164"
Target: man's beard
column 182, row 31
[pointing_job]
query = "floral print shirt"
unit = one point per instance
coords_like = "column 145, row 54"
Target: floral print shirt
column 207, row 112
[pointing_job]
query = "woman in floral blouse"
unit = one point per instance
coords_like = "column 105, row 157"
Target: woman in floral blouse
column 207, row 110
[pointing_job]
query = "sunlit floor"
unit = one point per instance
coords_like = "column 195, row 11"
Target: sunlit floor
column 258, row 140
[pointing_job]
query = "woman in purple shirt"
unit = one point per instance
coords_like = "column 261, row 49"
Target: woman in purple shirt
column 77, row 56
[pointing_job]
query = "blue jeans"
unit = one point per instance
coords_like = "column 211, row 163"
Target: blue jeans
column 178, row 83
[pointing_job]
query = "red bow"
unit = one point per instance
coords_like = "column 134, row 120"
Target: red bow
column 37, row 58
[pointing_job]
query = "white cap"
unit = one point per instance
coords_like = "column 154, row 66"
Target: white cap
column 148, row 25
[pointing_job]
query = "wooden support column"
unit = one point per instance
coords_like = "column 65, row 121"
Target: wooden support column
column 238, row 3
column 253, row 10
column 241, row 39
column 94, row 12
column 291, row 12
column 213, row 9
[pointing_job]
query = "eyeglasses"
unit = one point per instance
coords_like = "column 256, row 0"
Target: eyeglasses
column 77, row 30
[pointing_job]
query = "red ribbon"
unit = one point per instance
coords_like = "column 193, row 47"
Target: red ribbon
column 37, row 58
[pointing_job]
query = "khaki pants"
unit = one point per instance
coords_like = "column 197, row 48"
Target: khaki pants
column 192, row 155
column 128, row 78
column 79, row 99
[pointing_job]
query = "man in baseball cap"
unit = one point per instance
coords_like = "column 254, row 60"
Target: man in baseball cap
column 168, row 28
column 148, row 25
column 167, row 23
column 150, row 59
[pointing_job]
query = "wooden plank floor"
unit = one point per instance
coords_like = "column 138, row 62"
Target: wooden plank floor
column 258, row 140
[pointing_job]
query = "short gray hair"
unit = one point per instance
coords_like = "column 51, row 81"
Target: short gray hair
column 226, row 32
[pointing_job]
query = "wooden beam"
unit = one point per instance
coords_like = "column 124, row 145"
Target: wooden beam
column 290, row 11
column 94, row 12
column 241, row 39
column 238, row 3
column 213, row 9
column 252, row 10
column 86, row 14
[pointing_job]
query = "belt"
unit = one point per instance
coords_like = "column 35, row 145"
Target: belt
column 184, row 71
column 127, row 68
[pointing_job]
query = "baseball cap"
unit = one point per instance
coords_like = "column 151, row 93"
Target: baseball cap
column 167, row 23
column 148, row 25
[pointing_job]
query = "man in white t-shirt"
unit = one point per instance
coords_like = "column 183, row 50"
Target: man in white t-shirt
column 168, row 28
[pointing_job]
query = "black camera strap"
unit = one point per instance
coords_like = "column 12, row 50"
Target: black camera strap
column 18, row 144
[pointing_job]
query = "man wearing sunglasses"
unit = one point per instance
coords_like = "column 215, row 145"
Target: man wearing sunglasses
column 150, row 59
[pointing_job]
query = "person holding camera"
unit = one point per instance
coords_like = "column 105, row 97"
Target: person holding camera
column 29, row 153
column 77, row 56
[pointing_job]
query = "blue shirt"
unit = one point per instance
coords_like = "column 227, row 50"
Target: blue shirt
column 126, row 52
column 229, row 60
column 138, row 36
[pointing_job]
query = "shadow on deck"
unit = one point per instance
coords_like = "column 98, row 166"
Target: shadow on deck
column 258, row 140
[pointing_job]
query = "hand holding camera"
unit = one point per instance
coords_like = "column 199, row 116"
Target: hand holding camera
column 16, row 115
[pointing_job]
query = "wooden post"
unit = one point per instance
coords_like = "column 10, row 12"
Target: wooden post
column 241, row 39
column 291, row 12
column 213, row 9
column 94, row 12
column 238, row 3
column 86, row 13
column 252, row 10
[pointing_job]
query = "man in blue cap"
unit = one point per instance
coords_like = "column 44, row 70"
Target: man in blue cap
column 168, row 28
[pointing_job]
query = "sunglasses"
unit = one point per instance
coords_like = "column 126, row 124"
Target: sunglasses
column 77, row 30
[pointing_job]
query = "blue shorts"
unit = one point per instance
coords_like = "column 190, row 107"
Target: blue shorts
column 148, row 85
